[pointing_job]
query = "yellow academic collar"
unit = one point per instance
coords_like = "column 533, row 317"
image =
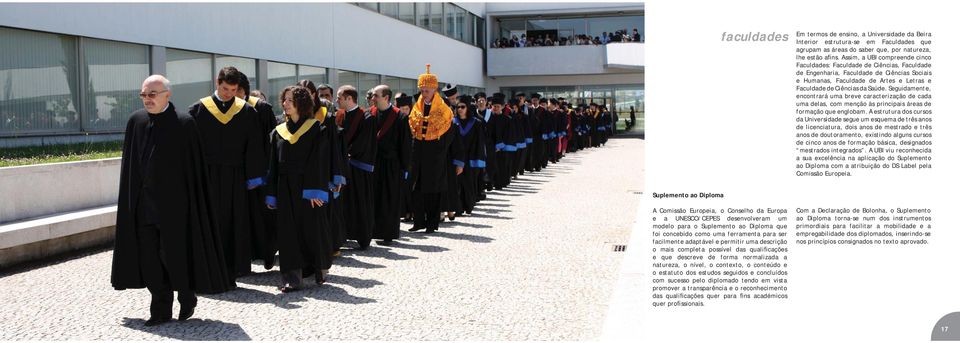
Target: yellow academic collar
column 252, row 100
column 294, row 137
column 224, row 118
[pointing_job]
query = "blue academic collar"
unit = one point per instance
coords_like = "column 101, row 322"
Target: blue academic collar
column 465, row 129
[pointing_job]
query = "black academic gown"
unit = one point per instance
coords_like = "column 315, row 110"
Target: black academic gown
column 450, row 199
column 263, row 222
column 522, row 132
column 236, row 161
column 535, row 143
column 338, row 162
column 490, row 141
column 162, row 177
column 471, row 139
column 406, row 187
column 300, row 171
column 360, row 138
column 547, row 125
column 481, row 131
column 505, row 149
column 393, row 160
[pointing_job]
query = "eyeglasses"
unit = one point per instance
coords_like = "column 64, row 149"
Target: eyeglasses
column 151, row 95
column 461, row 106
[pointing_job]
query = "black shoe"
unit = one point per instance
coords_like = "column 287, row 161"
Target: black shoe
column 498, row 188
column 432, row 230
column 521, row 172
column 321, row 278
column 156, row 321
column 269, row 262
column 415, row 228
column 469, row 212
column 385, row 242
column 364, row 245
column 186, row 312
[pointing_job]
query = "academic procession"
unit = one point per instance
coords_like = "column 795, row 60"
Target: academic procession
column 206, row 191
column 318, row 171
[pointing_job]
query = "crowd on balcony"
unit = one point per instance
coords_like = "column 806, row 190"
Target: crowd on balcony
column 551, row 40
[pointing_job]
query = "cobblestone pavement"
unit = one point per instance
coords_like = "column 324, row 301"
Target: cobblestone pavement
column 533, row 262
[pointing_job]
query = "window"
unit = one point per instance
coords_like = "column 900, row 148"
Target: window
column 406, row 12
column 38, row 82
column 597, row 26
column 190, row 74
column 279, row 76
column 317, row 75
column 367, row 82
column 390, row 9
column 346, row 78
column 393, row 82
column 114, row 72
column 409, row 86
column 368, row 5
column 512, row 27
column 571, row 27
column 423, row 14
column 247, row 66
column 436, row 17
column 469, row 28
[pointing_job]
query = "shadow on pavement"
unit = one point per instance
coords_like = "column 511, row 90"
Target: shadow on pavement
column 347, row 261
column 423, row 248
column 194, row 329
column 376, row 251
column 352, row 281
column 482, row 204
column 481, row 215
column 462, row 236
column 464, row 224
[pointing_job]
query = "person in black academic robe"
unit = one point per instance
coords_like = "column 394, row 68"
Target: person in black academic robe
column 521, row 132
column 481, row 127
column 534, row 161
column 547, row 124
column 360, row 139
column 450, row 199
column 505, row 148
column 404, row 102
column 431, row 125
column 562, row 128
column 593, row 123
column 235, row 158
column 263, row 222
column 166, row 237
column 393, row 156
column 491, row 144
column 297, row 190
column 471, row 138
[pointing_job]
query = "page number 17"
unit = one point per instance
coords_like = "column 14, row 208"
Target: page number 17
column 944, row 328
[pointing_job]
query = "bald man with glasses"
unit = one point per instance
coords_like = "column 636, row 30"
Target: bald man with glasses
column 166, row 238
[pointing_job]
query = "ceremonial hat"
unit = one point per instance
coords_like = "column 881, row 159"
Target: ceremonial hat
column 466, row 99
column 449, row 89
column 427, row 80
column 497, row 100
column 403, row 99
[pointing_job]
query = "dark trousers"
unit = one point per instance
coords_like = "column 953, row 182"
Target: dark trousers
column 426, row 210
column 155, row 275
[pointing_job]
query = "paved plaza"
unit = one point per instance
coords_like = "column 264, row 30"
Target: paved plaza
column 533, row 262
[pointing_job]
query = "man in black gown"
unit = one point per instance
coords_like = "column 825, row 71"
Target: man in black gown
column 166, row 238
column 233, row 148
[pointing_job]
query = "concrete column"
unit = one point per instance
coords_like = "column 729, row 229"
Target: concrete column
column 158, row 60
column 333, row 78
column 262, row 79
